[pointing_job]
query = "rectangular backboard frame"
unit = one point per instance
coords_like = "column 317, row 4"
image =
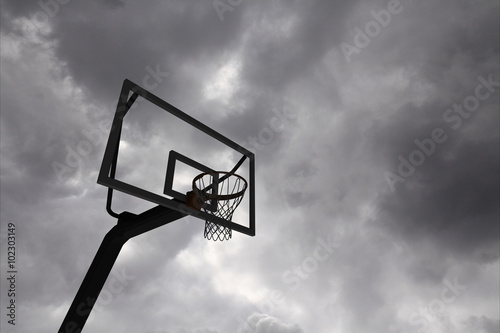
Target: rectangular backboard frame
column 173, row 157
column 106, row 173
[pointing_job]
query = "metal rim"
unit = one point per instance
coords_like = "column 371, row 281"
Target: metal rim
column 218, row 196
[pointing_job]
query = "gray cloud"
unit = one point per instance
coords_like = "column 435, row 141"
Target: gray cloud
column 457, row 186
column 272, row 77
column 268, row 324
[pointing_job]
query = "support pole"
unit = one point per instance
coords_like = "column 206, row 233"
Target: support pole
column 129, row 225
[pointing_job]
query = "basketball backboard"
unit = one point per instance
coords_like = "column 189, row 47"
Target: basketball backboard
column 155, row 150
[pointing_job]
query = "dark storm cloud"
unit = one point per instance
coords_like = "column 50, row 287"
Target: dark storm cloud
column 30, row 150
column 277, row 55
column 424, row 38
column 456, row 203
column 19, row 8
column 478, row 324
column 320, row 170
column 114, row 3
column 102, row 44
column 452, row 197
column 135, row 37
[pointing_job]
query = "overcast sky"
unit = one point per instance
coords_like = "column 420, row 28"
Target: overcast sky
column 377, row 192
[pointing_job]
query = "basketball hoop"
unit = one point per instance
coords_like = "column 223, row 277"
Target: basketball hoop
column 218, row 193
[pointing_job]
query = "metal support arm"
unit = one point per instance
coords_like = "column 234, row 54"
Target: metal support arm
column 129, row 225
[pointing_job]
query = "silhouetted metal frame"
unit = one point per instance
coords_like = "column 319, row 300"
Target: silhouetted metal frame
column 173, row 157
column 107, row 177
column 129, row 225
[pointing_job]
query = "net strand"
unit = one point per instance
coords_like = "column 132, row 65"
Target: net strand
column 219, row 198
